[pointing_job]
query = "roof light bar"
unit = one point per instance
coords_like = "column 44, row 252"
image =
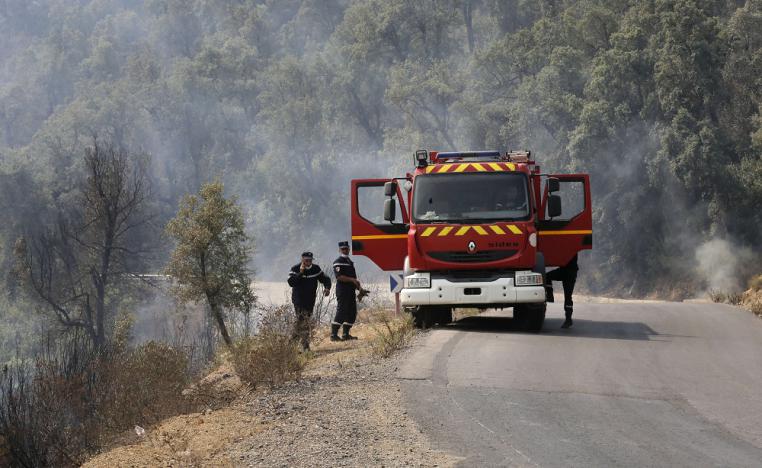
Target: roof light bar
column 460, row 155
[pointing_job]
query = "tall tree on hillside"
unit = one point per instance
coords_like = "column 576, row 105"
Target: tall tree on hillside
column 73, row 268
column 209, row 261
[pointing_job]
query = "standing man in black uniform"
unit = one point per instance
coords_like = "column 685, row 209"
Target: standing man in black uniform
column 568, row 276
column 346, row 301
column 303, row 279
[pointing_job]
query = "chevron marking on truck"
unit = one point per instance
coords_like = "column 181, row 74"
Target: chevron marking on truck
column 470, row 167
column 462, row 230
column 445, row 230
column 481, row 230
column 428, row 231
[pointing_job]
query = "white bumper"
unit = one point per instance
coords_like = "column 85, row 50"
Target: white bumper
column 446, row 292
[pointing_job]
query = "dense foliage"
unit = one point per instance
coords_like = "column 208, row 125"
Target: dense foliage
column 285, row 101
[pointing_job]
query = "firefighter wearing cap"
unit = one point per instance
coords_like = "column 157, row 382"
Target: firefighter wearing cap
column 303, row 279
column 568, row 276
column 346, row 301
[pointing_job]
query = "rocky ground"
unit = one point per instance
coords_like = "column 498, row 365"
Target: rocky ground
column 345, row 411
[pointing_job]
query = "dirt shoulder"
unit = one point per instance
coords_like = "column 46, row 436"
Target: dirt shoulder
column 345, row 411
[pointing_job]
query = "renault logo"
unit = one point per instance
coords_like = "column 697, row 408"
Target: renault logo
column 471, row 247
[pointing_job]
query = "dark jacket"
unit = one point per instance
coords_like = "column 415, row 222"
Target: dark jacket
column 344, row 266
column 304, row 285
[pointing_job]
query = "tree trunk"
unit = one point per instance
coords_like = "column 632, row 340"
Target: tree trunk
column 468, row 20
column 217, row 315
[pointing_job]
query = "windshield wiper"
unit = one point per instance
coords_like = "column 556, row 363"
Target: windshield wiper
column 507, row 218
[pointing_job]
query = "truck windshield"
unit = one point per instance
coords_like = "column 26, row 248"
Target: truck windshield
column 471, row 198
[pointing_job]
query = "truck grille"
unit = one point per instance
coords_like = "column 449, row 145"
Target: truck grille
column 465, row 257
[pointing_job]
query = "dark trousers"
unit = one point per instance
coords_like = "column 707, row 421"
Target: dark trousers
column 568, row 277
column 302, row 326
column 346, row 309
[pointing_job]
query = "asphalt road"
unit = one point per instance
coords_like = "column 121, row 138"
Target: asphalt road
column 634, row 384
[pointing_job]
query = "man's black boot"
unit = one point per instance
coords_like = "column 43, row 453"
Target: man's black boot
column 335, row 332
column 568, row 322
column 347, row 336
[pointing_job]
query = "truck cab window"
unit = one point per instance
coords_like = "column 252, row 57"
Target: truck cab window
column 370, row 205
column 572, row 195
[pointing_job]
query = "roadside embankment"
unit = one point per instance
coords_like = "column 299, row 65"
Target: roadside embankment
column 345, row 410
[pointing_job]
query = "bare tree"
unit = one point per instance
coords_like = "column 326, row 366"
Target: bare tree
column 72, row 267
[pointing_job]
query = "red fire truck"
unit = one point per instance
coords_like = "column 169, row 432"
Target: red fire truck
column 472, row 229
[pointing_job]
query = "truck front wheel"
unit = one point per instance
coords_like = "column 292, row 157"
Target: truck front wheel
column 426, row 316
column 443, row 315
column 423, row 317
column 529, row 317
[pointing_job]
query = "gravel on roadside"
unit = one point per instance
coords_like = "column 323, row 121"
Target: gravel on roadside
column 346, row 411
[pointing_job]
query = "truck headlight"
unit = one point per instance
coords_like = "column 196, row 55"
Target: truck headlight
column 528, row 278
column 418, row 281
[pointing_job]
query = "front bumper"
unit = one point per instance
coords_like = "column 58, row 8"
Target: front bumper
column 498, row 292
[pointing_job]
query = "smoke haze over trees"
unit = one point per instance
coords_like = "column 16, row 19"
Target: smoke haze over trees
column 285, row 101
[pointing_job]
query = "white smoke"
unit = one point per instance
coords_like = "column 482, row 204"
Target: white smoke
column 722, row 263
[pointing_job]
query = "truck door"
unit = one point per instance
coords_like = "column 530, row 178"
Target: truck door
column 560, row 238
column 383, row 242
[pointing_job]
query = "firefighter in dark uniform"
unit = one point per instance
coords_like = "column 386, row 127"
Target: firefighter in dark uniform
column 346, row 301
column 568, row 276
column 303, row 279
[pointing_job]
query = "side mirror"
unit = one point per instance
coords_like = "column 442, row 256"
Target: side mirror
column 553, row 185
column 554, row 206
column 390, row 209
column 390, row 189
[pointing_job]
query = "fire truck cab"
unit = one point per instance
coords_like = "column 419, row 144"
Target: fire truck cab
column 474, row 230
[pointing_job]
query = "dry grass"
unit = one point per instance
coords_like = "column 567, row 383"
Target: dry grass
column 734, row 298
column 391, row 334
column 717, row 296
column 756, row 307
column 75, row 401
column 145, row 386
column 272, row 356
column 752, row 298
